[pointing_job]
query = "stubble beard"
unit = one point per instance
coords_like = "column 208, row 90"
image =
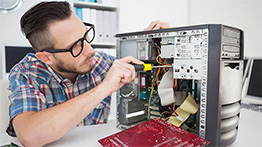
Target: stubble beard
column 70, row 68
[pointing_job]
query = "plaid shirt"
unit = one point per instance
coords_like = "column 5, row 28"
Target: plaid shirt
column 35, row 87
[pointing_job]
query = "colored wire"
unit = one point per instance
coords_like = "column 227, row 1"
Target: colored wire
column 158, row 49
column 174, row 110
column 165, row 112
column 166, row 64
column 159, row 52
column 170, row 117
column 157, row 82
column 159, row 60
column 175, row 84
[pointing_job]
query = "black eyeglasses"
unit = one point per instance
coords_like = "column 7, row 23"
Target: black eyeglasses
column 77, row 48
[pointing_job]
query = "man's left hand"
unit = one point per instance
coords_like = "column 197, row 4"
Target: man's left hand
column 157, row 25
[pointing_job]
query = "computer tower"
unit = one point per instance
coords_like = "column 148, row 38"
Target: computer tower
column 205, row 62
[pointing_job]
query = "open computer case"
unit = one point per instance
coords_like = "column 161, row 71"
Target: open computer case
column 206, row 65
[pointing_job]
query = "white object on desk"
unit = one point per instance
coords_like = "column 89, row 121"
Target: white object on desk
column 249, row 130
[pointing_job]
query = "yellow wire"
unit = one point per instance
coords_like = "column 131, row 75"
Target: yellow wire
column 157, row 59
column 161, row 115
column 157, row 49
column 152, row 89
column 158, row 52
column 161, row 61
column 170, row 117
column 157, row 46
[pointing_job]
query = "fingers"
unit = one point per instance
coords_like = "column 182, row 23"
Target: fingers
column 120, row 73
column 157, row 25
column 126, row 74
column 129, row 72
column 129, row 59
column 165, row 25
column 152, row 25
column 126, row 70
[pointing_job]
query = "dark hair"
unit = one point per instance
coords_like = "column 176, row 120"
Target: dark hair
column 35, row 22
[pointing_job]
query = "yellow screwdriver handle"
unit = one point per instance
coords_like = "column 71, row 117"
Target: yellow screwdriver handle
column 142, row 67
column 147, row 67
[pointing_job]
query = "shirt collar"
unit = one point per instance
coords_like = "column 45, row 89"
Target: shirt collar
column 55, row 74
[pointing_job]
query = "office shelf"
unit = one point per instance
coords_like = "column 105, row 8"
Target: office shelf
column 94, row 5
column 97, row 12
column 103, row 44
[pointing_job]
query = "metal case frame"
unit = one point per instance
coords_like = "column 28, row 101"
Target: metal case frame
column 223, row 49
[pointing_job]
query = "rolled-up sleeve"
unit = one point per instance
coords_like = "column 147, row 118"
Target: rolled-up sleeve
column 25, row 97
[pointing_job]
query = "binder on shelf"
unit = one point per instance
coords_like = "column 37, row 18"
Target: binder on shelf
column 99, row 28
column 79, row 13
column 93, row 21
column 86, row 15
column 105, row 21
column 99, row 1
column 106, row 25
column 113, row 26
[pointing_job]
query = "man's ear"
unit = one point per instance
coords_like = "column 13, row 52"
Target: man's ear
column 45, row 57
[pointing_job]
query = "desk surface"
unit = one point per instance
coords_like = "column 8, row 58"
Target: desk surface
column 79, row 136
column 249, row 133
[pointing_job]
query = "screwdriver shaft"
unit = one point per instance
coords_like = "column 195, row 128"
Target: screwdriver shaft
column 162, row 66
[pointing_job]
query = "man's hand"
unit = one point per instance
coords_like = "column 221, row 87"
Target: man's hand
column 157, row 25
column 120, row 73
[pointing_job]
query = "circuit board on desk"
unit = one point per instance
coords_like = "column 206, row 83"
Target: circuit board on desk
column 154, row 132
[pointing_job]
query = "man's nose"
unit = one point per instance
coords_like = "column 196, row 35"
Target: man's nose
column 87, row 49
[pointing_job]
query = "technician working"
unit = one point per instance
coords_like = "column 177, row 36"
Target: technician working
column 65, row 83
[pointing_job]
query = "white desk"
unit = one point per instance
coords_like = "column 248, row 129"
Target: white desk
column 79, row 136
column 249, row 130
column 249, row 134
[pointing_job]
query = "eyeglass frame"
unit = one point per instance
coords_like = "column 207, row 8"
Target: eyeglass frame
column 71, row 48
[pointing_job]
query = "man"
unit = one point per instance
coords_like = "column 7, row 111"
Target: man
column 65, row 83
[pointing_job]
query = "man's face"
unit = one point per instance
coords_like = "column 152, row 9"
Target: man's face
column 66, row 33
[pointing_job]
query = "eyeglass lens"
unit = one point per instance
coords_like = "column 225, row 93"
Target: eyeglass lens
column 78, row 46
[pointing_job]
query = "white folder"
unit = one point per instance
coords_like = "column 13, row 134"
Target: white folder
column 99, row 28
column 114, row 26
column 93, row 21
column 107, row 28
column 86, row 15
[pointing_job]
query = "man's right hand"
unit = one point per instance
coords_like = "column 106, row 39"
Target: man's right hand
column 120, row 73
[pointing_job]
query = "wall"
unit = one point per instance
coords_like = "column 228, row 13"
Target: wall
column 135, row 15
column 10, row 33
column 244, row 14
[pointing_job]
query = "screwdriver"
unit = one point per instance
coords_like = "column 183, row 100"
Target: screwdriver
column 147, row 67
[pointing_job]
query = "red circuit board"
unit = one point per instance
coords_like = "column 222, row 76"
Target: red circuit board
column 156, row 133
